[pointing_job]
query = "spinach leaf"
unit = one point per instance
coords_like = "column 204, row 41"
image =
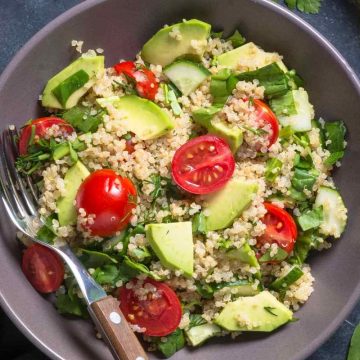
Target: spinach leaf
column 311, row 219
column 174, row 342
column 304, row 243
column 139, row 268
column 284, row 105
column 354, row 350
column 47, row 233
column 236, row 39
column 95, row 259
column 273, row 168
column 71, row 306
column 334, row 158
column 334, row 141
column 196, row 320
column 304, row 179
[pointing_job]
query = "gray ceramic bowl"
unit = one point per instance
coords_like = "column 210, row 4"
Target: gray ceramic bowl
column 121, row 27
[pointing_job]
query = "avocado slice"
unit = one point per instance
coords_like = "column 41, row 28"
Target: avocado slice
column 64, row 90
column 262, row 312
column 65, row 205
column 245, row 254
column 197, row 335
column 228, row 203
column 187, row 38
column 248, row 53
column 140, row 116
column 173, row 245
column 232, row 135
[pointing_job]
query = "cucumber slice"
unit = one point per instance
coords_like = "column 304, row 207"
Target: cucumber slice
column 186, row 75
column 282, row 283
column 334, row 210
column 198, row 334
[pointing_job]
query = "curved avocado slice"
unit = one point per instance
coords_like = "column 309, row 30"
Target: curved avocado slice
column 173, row 245
column 262, row 312
column 228, row 203
column 64, row 90
column 187, row 38
column 65, row 205
column 140, row 116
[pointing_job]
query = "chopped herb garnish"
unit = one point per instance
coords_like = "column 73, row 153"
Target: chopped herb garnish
column 270, row 310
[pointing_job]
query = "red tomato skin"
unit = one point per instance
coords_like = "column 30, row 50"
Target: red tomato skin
column 43, row 268
column 41, row 125
column 222, row 156
column 110, row 197
column 265, row 113
column 287, row 235
column 160, row 316
column 146, row 82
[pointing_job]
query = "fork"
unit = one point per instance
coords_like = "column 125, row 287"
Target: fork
column 20, row 206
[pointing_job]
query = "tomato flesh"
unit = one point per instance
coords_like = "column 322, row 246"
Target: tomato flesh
column 203, row 164
column 265, row 116
column 41, row 126
column 145, row 81
column 108, row 199
column 280, row 228
column 158, row 312
column 43, row 268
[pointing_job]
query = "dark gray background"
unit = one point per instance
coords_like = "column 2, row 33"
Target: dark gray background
column 20, row 19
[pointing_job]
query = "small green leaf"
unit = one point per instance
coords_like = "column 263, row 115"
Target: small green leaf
column 354, row 350
column 270, row 310
column 236, row 39
column 273, row 168
column 199, row 224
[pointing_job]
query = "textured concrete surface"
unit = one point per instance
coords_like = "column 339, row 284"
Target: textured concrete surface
column 20, row 19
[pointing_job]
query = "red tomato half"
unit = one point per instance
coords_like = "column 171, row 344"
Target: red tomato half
column 280, row 228
column 43, row 268
column 159, row 312
column 203, row 164
column 109, row 197
column 41, row 125
column 267, row 117
column 145, row 80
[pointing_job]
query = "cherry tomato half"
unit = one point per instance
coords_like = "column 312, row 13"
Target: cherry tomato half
column 280, row 228
column 146, row 82
column 265, row 116
column 41, row 126
column 108, row 196
column 159, row 312
column 43, row 268
column 203, row 164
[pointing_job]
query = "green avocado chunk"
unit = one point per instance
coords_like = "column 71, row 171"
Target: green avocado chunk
column 227, row 204
column 65, row 205
column 173, row 245
column 64, row 90
column 140, row 116
column 262, row 312
column 185, row 39
column 247, row 54
column 232, row 135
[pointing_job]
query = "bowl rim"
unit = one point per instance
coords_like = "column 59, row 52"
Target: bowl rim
column 272, row 6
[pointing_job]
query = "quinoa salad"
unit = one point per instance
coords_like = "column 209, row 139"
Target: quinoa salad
column 192, row 183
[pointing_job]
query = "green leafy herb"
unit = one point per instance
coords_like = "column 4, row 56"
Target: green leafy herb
column 273, row 168
column 334, row 158
column 236, row 39
column 306, row 6
column 222, row 74
column 196, row 320
column 199, row 224
column 219, row 91
column 304, row 179
column 334, row 133
column 286, row 133
column 141, row 254
column 140, row 268
column 354, row 350
column 224, row 244
column 304, row 243
column 128, row 87
column 270, row 310
column 83, row 119
column 174, row 342
column 217, row 35
column 70, row 306
column 174, row 104
column 311, row 219
column 47, row 233
column 94, row 259
column 294, row 80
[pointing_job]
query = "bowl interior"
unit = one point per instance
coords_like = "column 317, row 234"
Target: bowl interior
column 121, row 27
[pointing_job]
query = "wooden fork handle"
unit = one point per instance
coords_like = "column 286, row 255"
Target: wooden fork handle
column 116, row 331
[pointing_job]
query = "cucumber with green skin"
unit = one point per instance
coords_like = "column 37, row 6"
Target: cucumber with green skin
column 186, row 75
column 197, row 335
column 282, row 283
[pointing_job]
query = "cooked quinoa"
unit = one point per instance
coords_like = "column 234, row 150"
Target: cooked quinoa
column 159, row 200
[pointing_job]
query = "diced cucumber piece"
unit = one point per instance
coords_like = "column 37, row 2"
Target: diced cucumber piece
column 186, row 75
column 301, row 119
column 282, row 283
column 334, row 212
column 199, row 334
column 245, row 255
column 243, row 288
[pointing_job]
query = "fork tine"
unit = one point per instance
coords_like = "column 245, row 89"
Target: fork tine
column 9, row 185
column 14, row 135
column 12, row 155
